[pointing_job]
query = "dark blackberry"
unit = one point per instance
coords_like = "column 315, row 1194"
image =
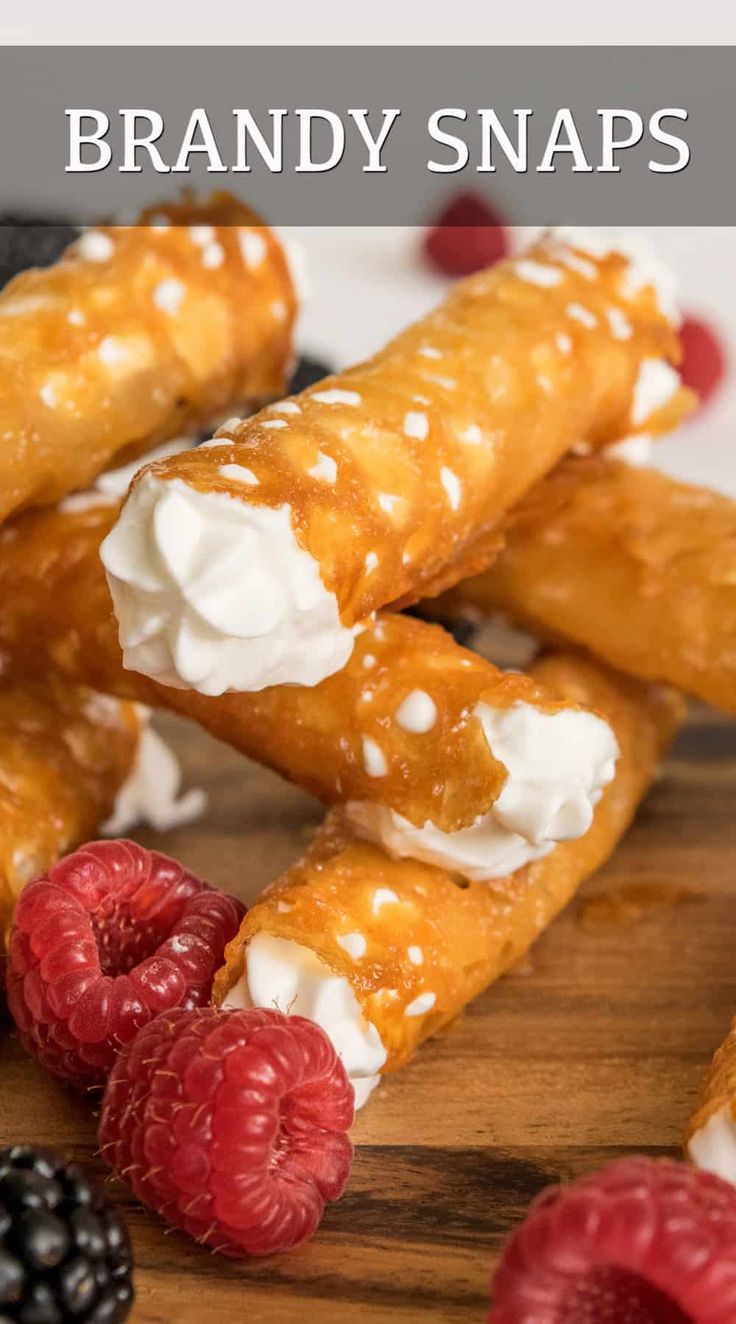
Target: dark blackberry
column 462, row 630
column 31, row 241
column 307, row 373
column 64, row 1254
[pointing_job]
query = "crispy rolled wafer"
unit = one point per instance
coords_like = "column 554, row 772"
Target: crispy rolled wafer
column 248, row 562
column 65, row 755
column 138, row 332
column 636, row 567
column 422, row 737
column 385, row 952
column 710, row 1139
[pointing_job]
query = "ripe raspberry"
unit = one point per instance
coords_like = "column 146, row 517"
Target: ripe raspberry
column 231, row 1125
column 642, row 1240
column 704, row 361
column 109, row 937
column 467, row 236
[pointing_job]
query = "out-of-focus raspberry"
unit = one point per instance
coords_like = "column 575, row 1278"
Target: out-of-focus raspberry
column 643, row 1240
column 232, row 1125
column 703, row 367
column 109, row 937
column 468, row 235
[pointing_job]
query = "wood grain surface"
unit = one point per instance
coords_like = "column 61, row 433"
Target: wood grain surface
column 593, row 1048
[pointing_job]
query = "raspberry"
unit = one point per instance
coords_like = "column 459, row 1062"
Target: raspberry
column 467, row 236
column 109, row 937
column 643, row 1240
column 704, row 361
column 231, row 1125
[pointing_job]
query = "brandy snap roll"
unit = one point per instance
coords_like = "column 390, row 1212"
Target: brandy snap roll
column 439, row 754
column 383, row 952
column 711, row 1134
column 74, row 763
column 632, row 565
column 137, row 332
column 250, row 561
column 65, row 757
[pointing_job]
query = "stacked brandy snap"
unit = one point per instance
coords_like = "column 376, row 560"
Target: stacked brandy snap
column 257, row 580
column 132, row 335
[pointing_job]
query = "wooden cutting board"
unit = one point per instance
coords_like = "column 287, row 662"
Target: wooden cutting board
column 592, row 1049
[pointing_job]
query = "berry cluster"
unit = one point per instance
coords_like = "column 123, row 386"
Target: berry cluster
column 64, row 1254
column 230, row 1124
column 108, row 938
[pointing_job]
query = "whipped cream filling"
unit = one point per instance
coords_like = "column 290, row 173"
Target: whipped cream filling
column 557, row 764
column 282, row 974
column 151, row 793
column 636, row 451
column 213, row 593
column 645, row 267
column 655, row 386
column 110, row 487
column 713, row 1146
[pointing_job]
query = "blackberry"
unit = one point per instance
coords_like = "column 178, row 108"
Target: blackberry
column 64, row 1254
column 307, row 373
column 31, row 241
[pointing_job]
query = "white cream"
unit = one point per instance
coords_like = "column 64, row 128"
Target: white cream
column 417, row 713
column 621, row 328
column 537, row 273
column 374, row 759
column 452, row 485
column 213, row 593
column 713, row 1147
column 282, row 974
column 151, row 793
column 557, row 763
column 645, row 267
column 416, row 425
column 110, row 487
column 655, row 386
column 95, row 246
column 582, row 315
column 636, row 450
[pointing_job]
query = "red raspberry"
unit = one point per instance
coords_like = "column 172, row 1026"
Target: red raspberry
column 643, row 1240
column 704, row 360
column 231, row 1125
column 467, row 236
column 109, row 937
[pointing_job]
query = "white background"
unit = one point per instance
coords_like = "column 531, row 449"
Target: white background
column 368, row 22
column 368, row 283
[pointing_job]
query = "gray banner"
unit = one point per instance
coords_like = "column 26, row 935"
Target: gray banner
column 676, row 106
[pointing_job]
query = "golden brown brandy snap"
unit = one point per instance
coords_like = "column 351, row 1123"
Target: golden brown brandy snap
column 405, row 724
column 135, row 334
column 65, row 753
column 629, row 563
column 416, row 943
column 387, row 481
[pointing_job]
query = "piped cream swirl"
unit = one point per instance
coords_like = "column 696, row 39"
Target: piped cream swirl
column 283, row 974
column 558, row 765
column 213, row 593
